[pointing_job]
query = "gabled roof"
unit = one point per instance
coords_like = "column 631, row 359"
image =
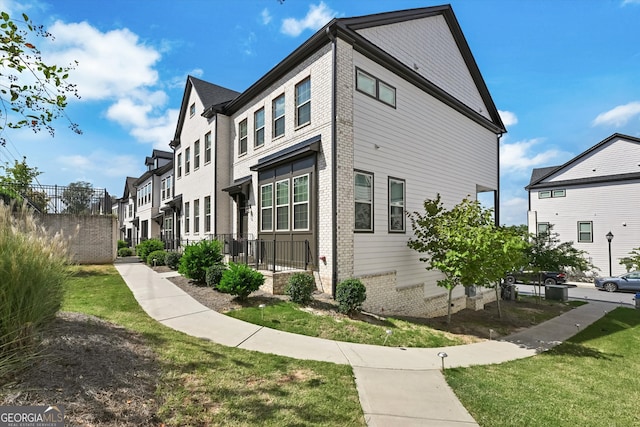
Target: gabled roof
column 129, row 187
column 540, row 174
column 209, row 94
column 346, row 29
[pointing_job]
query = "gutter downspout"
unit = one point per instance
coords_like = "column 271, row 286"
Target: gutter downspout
column 496, row 202
column 215, row 175
column 334, row 173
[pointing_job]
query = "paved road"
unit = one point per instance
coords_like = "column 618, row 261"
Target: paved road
column 588, row 292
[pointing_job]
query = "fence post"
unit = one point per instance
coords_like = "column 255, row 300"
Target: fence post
column 258, row 252
column 274, row 255
column 306, row 254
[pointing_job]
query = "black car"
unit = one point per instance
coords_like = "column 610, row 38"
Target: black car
column 527, row 277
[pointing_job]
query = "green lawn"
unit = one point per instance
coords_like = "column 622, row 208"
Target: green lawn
column 208, row 384
column 591, row 380
column 289, row 317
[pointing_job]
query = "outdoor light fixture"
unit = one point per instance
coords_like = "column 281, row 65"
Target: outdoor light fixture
column 578, row 326
column 442, row 355
column 491, row 331
column 609, row 237
column 389, row 332
column 261, row 307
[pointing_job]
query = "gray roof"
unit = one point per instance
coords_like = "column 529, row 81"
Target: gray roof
column 538, row 173
column 211, row 94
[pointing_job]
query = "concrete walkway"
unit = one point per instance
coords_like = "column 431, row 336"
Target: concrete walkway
column 397, row 386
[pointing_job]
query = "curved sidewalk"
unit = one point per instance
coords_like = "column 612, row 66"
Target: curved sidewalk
column 397, row 386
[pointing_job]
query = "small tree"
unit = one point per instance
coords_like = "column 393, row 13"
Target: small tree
column 631, row 262
column 198, row 257
column 77, row 197
column 240, row 280
column 16, row 184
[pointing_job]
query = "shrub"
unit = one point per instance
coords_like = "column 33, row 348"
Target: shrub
column 156, row 258
column 350, row 295
column 240, row 280
column 300, row 287
column 123, row 252
column 122, row 244
column 214, row 274
column 34, row 269
column 172, row 260
column 145, row 248
column 198, row 257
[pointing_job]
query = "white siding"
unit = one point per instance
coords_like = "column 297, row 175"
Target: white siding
column 618, row 156
column 434, row 148
column 427, row 46
column 611, row 207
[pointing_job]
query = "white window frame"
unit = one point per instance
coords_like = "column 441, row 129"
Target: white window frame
column 187, row 207
column 259, row 129
column 300, row 203
column 264, row 207
column 179, row 165
column 277, row 118
column 192, row 110
column 207, row 214
column 196, row 216
column 286, row 205
column 196, row 155
column 187, row 160
column 362, row 201
column 300, row 104
column 207, row 148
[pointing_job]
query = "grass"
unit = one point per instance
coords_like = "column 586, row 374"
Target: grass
column 208, row 384
column 593, row 379
column 289, row 317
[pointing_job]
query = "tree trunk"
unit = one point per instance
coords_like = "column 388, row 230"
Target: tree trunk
column 449, row 307
column 498, row 301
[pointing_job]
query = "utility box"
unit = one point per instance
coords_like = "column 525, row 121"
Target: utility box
column 557, row 292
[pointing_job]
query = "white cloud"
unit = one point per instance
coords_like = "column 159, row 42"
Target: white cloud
column 626, row 2
column 618, row 116
column 110, row 64
column 521, row 156
column 508, row 118
column 513, row 211
column 159, row 131
column 96, row 164
column 266, row 16
column 317, row 16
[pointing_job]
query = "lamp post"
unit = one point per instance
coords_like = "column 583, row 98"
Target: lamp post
column 609, row 237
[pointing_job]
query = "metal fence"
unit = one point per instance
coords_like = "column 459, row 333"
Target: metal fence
column 56, row 199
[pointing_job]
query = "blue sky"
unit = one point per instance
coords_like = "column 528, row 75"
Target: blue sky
column 564, row 74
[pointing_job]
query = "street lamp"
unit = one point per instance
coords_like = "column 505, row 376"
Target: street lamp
column 609, row 237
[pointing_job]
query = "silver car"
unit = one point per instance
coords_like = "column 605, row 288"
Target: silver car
column 625, row 282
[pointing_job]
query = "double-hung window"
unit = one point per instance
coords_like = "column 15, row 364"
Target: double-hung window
column 179, row 165
column 301, row 202
column 282, row 205
column 196, row 216
column 187, row 160
column 207, row 148
column 258, row 119
column 163, row 189
column 278, row 116
column 266, row 207
column 207, row 214
column 585, row 231
column 196, row 155
column 363, row 194
column 242, row 137
column 543, row 228
column 303, row 102
column 396, row 205
column 186, row 217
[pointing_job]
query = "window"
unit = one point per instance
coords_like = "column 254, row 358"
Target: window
column 303, row 102
column 192, row 110
column 282, row 205
column 186, row 217
column 187, row 160
column 168, row 227
column 363, row 194
column 585, row 231
column 169, row 186
column 196, row 216
column 207, row 148
column 278, row 116
column 207, row 214
column 543, row 228
column 375, row 88
column 196, row 155
column 242, row 135
column 301, row 202
column 163, row 189
column 179, row 165
column 396, row 205
column 130, row 211
column 558, row 193
column 547, row 194
column 258, row 118
column 266, row 207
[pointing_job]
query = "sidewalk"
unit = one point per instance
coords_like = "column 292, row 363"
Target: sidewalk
column 397, row 386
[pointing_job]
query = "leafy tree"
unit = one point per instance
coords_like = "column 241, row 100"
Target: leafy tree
column 77, row 197
column 32, row 93
column 631, row 262
column 465, row 245
column 545, row 253
column 17, row 184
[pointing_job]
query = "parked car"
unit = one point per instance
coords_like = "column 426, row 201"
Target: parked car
column 548, row 277
column 625, row 282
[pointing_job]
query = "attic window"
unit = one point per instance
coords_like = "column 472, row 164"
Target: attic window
column 192, row 110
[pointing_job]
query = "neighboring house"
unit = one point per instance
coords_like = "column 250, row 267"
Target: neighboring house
column 126, row 211
column 148, row 202
column 202, row 163
column 588, row 197
column 328, row 151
